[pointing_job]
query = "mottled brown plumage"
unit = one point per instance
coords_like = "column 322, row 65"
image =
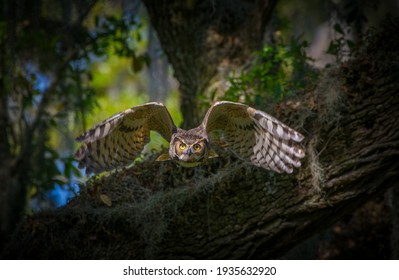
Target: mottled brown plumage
column 252, row 135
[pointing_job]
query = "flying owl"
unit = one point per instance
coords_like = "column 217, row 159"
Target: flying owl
column 254, row 136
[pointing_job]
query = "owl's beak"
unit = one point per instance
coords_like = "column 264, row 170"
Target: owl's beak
column 189, row 152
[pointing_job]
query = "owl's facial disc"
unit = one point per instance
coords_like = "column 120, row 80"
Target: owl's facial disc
column 190, row 153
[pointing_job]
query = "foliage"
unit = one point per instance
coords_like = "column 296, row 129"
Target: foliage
column 340, row 47
column 123, row 36
column 276, row 72
column 45, row 82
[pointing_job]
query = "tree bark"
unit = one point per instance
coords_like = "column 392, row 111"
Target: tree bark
column 228, row 210
column 12, row 190
column 198, row 36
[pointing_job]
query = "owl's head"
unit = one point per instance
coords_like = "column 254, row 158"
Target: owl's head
column 189, row 151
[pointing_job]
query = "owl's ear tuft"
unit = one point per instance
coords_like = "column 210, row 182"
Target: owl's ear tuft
column 163, row 157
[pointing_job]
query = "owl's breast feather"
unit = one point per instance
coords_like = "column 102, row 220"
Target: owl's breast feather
column 188, row 164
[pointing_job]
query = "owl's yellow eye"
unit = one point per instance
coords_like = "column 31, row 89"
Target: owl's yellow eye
column 197, row 147
column 182, row 146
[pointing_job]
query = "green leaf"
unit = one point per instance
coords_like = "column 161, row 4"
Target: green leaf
column 76, row 171
column 332, row 48
column 338, row 29
column 350, row 44
column 137, row 64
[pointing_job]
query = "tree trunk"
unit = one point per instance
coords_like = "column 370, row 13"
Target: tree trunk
column 393, row 196
column 198, row 36
column 12, row 189
column 228, row 210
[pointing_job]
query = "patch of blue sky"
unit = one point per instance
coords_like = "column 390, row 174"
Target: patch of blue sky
column 79, row 64
column 40, row 81
column 62, row 193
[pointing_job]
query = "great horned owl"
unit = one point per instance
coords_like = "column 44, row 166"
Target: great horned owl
column 253, row 135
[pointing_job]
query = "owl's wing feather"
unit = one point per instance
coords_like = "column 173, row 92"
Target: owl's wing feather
column 255, row 136
column 118, row 140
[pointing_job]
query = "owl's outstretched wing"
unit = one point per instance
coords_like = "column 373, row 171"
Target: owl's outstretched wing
column 255, row 136
column 118, row 140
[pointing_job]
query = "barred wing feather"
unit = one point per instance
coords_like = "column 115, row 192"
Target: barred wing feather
column 255, row 136
column 118, row 140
